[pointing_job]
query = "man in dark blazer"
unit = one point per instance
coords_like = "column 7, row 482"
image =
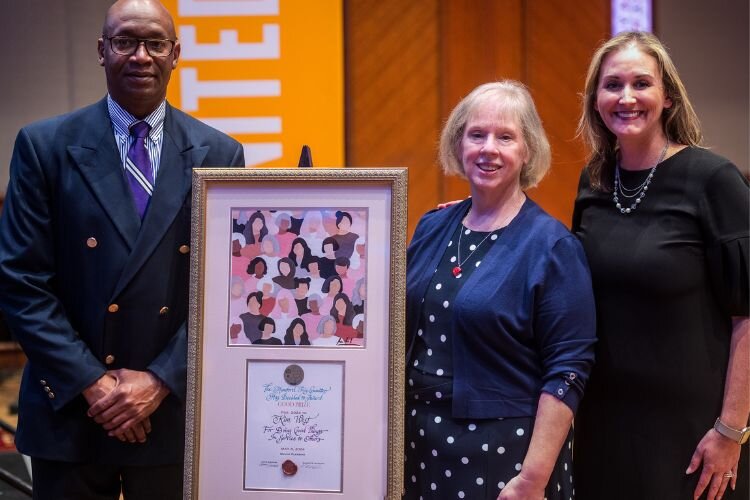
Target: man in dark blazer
column 95, row 291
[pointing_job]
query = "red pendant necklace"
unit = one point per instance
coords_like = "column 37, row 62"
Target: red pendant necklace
column 457, row 268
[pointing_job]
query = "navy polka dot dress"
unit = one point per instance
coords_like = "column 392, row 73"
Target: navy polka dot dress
column 448, row 457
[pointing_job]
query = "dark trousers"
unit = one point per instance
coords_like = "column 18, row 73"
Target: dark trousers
column 53, row 480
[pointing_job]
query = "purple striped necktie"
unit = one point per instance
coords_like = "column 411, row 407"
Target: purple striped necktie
column 138, row 167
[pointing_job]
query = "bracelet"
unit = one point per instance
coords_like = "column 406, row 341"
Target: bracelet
column 739, row 436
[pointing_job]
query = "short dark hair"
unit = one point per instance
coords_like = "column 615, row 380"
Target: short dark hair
column 300, row 281
column 342, row 261
column 327, row 283
column 254, row 262
column 257, row 295
column 340, row 216
column 332, row 241
column 265, row 321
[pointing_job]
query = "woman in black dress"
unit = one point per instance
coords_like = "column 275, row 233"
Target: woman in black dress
column 327, row 262
column 664, row 224
column 500, row 318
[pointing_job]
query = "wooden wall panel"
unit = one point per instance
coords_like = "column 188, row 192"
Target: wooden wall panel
column 481, row 41
column 409, row 62
column 559, row 44
column 392, row 85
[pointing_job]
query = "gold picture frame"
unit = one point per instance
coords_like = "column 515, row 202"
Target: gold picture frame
column 233, row 447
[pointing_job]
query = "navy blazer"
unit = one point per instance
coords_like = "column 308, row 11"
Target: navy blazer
column 87, row 287
column 523, row 323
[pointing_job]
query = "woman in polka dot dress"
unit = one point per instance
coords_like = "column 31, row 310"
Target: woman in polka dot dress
column 500, row 318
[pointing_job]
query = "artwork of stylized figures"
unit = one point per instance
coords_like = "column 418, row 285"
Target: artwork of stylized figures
column 328, row 260
column 301, row 255
column 251, row 318
column 254, row 231
column 267, row 327
column 298, row 277
column 344, row 237
column 327, row 332
column 287, row 270
column 296, row 334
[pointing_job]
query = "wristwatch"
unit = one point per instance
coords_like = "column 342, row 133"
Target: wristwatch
column 739, row 436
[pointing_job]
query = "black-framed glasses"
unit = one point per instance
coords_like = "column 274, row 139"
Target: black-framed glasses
column 127, row 45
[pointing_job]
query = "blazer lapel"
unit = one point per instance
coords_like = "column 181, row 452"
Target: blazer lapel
column 178, row 157
column 99, row 163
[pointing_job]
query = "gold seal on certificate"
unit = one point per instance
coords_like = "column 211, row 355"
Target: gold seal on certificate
column 289, row 468
column 294, row 374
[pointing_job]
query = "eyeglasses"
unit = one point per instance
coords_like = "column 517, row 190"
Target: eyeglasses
column 127, row 46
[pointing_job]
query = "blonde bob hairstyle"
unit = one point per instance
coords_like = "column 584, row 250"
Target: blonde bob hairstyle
column 512, row 98
column 681, row 124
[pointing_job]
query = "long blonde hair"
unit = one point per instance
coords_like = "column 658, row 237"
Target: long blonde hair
column 681, row 124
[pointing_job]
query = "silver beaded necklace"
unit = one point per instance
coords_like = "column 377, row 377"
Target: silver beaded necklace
column 638, row 192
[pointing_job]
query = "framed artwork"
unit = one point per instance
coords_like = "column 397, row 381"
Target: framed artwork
column 296, row 334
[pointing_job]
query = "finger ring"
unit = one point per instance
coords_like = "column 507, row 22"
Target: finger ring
column 729, row 475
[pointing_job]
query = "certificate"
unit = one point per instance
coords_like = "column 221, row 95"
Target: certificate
column 294, row 426
column 295, row 385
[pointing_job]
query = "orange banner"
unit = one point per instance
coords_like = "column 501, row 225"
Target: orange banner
column 267, row 72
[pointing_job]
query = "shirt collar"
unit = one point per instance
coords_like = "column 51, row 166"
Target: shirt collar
column 122, row 120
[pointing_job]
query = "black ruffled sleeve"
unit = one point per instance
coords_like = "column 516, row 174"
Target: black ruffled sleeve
column 725, row 214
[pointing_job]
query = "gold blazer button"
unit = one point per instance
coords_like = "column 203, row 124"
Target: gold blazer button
column 91, row 242
column 164, row 310
column 113, row 308
column 184, row 249
column 109, row 359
